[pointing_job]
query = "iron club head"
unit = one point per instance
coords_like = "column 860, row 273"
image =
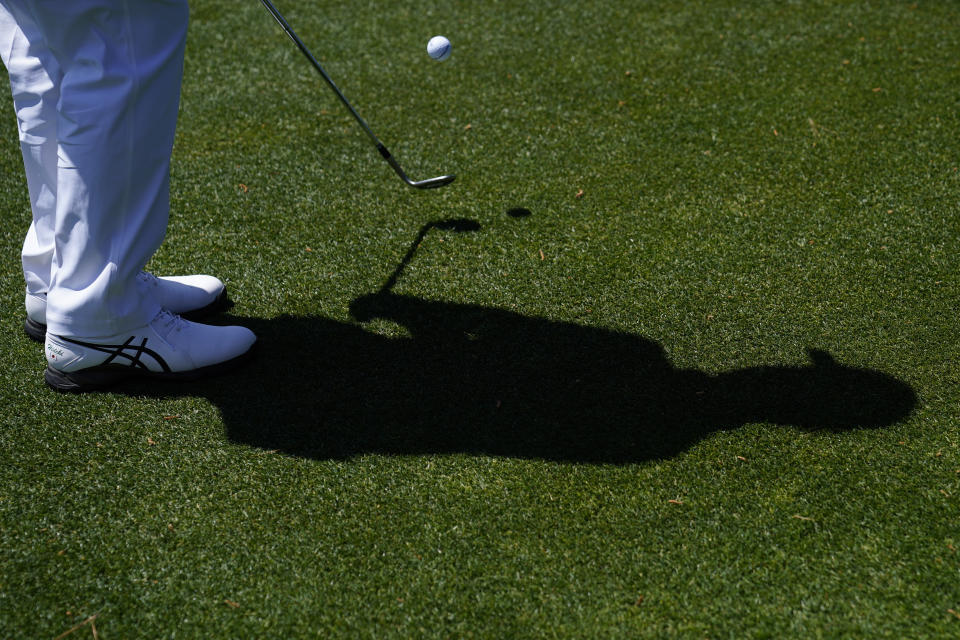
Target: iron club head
column 431, row 183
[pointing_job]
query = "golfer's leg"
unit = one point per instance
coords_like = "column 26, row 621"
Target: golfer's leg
column 122, row 64
column 34, row 80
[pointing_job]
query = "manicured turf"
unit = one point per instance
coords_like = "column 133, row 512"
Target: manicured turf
column 683, row 366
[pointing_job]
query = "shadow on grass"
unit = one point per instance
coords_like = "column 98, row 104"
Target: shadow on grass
column 479, row 380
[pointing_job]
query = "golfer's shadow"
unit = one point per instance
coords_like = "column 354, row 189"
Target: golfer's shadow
column 476, row 380
column 480, row 380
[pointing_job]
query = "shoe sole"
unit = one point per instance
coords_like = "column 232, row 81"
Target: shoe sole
column 105, row 377
column 37, row 331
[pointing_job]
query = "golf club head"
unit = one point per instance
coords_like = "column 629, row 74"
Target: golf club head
column 431, row 183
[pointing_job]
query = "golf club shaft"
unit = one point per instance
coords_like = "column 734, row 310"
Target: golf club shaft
column 431, row 183
column 316, row 65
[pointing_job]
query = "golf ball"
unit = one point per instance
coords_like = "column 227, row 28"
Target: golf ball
column 438, row 48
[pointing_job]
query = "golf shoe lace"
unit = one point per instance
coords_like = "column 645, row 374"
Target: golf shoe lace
column 166, row 322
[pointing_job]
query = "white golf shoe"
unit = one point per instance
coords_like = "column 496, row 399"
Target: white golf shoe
column 193, row 296
column 168, row 348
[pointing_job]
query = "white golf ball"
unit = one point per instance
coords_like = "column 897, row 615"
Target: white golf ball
column 438, row 48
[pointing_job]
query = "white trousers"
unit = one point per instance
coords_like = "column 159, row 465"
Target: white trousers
column 96, row 88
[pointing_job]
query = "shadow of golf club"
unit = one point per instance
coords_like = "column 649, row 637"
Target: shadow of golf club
column 458, row 225
column 479, row 380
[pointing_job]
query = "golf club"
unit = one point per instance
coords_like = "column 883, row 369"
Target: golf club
column 431, row 183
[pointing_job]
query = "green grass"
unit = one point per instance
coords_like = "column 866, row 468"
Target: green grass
column 599, row 420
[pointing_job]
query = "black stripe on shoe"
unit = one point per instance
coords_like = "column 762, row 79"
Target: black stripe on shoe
column 102, row 377
column 117, row 351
